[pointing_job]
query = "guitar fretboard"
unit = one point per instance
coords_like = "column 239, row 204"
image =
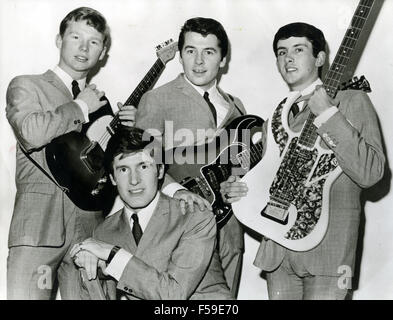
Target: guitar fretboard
column 142, row 87
column 334, row 77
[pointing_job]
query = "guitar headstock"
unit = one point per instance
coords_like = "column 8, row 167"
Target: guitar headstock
column 356, row 84
column 167, row 50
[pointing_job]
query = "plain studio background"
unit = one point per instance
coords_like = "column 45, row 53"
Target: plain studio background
column 28, row 30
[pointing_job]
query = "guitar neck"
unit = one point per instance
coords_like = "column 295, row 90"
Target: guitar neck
column 334, row 77
column 143, row 86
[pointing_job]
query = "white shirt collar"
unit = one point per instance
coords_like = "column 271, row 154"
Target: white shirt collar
column 67, row 79
column 212, row 90
column 144, row 214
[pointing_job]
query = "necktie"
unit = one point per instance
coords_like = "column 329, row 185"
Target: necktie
column 295, row 109
column 211, row 106
column 136, row 228
column 75, row 88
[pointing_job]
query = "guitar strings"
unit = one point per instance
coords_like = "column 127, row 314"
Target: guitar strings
column 145, row 84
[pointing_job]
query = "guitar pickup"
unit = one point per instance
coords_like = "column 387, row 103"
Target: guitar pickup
column 93, row 157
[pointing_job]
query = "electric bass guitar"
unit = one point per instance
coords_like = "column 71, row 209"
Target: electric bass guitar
column 75, row 159
column 288, row 197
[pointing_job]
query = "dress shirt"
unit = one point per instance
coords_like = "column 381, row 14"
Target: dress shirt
column 294, row 95
column 122, row 257
column 67, row 80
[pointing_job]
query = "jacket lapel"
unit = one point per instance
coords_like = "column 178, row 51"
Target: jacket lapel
column 231, row 111
column 125, row 229
column 155, row 225
column 52, row 78
column 189, row 91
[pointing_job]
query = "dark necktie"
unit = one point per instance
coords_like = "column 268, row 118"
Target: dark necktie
column 75, row 88
column 136, row 228
column 295, row 109
column 211, row 106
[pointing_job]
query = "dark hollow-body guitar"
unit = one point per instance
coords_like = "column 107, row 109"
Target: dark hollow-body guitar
column 75, row 159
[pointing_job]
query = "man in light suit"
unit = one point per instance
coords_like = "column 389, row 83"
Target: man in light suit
column 190, row 109
column 150, row 248
column 348, row 125
column 45, row 223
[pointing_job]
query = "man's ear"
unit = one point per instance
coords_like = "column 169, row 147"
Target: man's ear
column 102, row 55
column 223, row 62
column 112, row 179
column 160, row 173
column 59, row 41
column 180, row 59
column 321, row 57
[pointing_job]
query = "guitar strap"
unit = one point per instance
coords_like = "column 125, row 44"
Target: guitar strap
column 65, row 190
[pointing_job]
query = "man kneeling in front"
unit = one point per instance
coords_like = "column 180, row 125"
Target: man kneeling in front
column 150, row 249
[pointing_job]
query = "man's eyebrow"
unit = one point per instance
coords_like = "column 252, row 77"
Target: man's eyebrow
column 300, row 45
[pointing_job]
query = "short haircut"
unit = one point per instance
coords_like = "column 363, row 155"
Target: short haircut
column 205, row 26
column 128, row 140
column 92, row 17
column 301, row 29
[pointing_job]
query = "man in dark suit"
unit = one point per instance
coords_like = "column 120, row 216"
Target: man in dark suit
column 150, row 248
column 190, row 110
column 346, row 125
column 45, row 222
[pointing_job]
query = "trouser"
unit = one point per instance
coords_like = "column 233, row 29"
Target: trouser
column 32, row 272
column 231, row 248
column 291, row 281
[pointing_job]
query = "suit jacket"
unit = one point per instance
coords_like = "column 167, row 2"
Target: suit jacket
column 187, row 112
column 39, row 108
column 174, row 258
column 178, row 102
column 354, row 136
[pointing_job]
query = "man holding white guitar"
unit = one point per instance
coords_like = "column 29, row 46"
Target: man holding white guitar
column 309, row 218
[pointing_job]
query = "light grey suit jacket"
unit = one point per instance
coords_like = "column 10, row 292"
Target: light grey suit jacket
column 354, row 136
column 174, row 259
column 39, row 108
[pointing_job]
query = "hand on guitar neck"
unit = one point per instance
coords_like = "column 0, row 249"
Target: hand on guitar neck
column 320, row 101
column 126, row 114
column 91, row 96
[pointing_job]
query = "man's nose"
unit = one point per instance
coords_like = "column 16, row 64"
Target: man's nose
column 84, row 46
column 289, row 57
column 199, row 58
column 134, row 178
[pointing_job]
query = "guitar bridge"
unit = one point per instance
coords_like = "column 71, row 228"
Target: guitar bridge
column 276, row 211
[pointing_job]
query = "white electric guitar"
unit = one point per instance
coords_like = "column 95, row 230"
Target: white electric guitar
column 288, row 197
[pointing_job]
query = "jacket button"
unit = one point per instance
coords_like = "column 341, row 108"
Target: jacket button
column 75, row 121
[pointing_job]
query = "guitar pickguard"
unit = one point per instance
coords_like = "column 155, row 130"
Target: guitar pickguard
column 279, row 133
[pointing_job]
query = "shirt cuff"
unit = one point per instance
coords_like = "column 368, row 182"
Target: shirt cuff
column 171, row 189
column 118, row 264
column 325, row 116
column 84, row 108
